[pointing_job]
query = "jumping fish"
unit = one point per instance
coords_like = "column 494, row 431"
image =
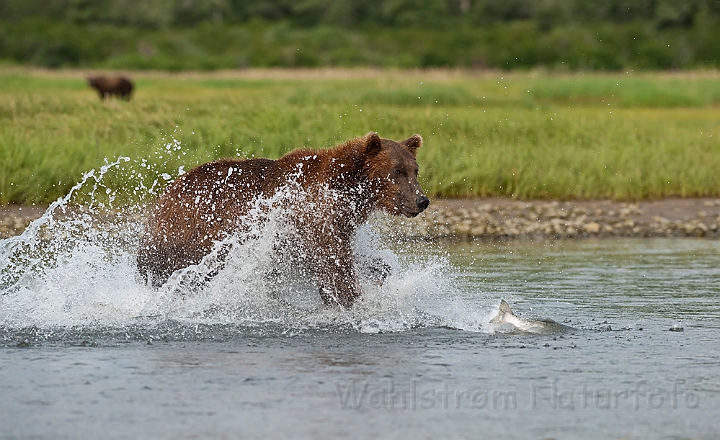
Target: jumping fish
column 506, row 316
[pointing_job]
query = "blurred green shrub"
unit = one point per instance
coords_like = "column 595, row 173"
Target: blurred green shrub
column 213, row 34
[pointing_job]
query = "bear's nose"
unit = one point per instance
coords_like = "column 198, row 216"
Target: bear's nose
column 422, row 202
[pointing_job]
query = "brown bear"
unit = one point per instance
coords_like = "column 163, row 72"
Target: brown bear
column 107, row 86
column 332, row 192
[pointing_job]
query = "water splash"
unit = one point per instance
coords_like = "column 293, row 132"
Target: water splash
column 76, row 267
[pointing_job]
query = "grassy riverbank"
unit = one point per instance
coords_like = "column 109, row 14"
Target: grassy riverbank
column 527, row 135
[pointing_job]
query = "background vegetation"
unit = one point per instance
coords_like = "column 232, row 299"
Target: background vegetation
column 523, row 135
column 510, row 34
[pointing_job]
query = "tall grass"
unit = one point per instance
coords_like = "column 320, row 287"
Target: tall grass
column 524, row 135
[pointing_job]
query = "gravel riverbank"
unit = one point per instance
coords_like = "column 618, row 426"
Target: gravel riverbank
column 492, row 219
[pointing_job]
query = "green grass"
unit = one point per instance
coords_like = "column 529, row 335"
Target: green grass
column 524, row 135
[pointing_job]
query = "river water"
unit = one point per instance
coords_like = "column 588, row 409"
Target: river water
column 87, row 350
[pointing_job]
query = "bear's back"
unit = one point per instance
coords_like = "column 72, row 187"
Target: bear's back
column 226, row 185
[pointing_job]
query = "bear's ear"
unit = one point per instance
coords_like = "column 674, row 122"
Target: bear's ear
column 413, row 143
column 373, row 144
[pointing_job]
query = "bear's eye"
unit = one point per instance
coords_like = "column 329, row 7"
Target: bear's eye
column 398, row 172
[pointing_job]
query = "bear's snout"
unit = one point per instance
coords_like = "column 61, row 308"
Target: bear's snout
column 422, row 202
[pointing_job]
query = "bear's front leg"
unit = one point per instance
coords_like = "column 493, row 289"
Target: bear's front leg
column 336, row 275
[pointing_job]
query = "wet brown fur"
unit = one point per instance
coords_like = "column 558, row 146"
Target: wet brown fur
column 209, row 202
column 108, row 86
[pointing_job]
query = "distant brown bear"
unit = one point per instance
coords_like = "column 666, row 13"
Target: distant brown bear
column 334, row 192
column 107, row 86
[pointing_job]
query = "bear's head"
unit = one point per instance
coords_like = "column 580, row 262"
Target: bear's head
column 392, row 171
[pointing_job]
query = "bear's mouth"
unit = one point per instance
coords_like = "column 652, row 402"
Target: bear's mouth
column 408, row 213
